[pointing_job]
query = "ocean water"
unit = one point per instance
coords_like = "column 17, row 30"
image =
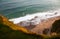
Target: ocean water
column 18, row 8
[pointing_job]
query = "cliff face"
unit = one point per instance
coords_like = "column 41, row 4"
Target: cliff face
column 8, row 30
column 45, row 25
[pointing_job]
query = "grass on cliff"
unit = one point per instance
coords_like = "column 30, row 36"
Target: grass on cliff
column 9, row 30
column 7, row 33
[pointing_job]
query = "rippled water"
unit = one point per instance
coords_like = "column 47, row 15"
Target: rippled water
column 18, row 8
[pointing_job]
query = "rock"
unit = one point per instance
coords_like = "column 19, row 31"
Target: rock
column 56, row 26
column 45, row 25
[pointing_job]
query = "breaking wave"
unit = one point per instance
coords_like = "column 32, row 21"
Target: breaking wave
column 36, row 17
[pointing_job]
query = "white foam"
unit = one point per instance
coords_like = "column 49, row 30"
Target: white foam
column 43, row 15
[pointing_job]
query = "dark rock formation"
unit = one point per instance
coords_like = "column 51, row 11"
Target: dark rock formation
column 56, row 26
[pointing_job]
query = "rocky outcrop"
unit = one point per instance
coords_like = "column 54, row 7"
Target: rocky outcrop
column 56, row 26
column 45, row 26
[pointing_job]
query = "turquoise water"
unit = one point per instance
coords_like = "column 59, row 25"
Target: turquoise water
column 18, row 8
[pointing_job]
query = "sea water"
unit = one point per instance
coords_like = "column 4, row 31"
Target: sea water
column 20, row 8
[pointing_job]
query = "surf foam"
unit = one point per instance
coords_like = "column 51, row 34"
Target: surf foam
column 40, row 16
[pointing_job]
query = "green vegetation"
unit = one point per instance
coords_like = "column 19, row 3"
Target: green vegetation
column 8, row 30
column 8, row 33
